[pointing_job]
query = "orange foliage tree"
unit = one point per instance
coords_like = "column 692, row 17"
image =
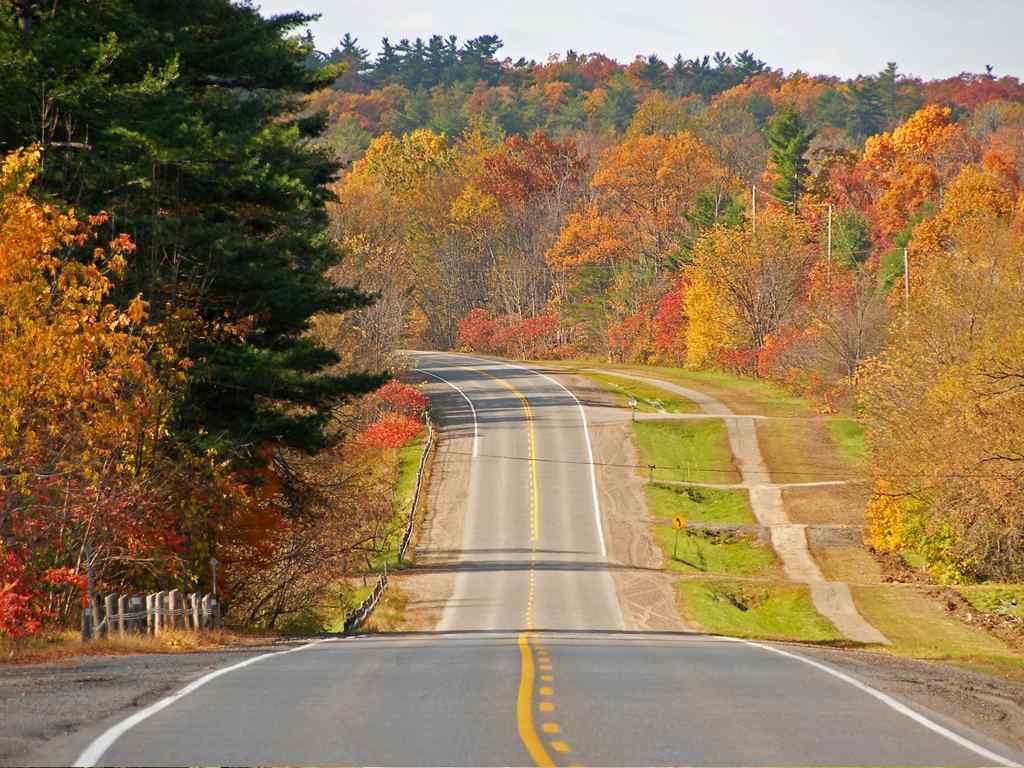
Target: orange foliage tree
column 81, row 407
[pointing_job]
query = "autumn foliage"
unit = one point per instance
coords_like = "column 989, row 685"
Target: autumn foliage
column 81, row 404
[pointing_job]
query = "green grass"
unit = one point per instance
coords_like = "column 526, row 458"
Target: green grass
column 742, row 609
column 919, row 626
column 704, row 505
column 405, row 485
column 848, row 437
column 915, row 560
column 742, row 394
column 649, row 399
column 995, row 598
column 694, row 451
column 724, row 552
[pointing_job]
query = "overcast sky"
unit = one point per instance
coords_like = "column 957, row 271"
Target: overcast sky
column 929, row 38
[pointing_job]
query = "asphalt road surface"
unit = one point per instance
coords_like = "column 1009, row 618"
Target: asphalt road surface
column 530, row 663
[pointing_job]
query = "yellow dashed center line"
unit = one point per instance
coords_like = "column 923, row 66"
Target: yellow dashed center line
column 524, row 700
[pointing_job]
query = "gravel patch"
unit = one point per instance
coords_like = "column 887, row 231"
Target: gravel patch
column 46, row 705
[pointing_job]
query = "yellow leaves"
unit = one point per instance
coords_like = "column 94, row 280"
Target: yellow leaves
column 712, row 322
column 75, row 377
column 473, row 207
column 404, row 163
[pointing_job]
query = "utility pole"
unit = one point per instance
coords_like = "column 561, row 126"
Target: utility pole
column 830, row 233
column 753, row 207
column 88, row 615
column 906, row 285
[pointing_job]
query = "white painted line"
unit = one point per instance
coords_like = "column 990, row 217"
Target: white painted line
column 586, row 435
column 95, row 751
column 888, row 700
column 476, row 428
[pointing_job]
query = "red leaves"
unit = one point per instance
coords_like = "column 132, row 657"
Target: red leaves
column 670, row 323
column 400, row 397
column 392, row 430
column 395, row 411
column 524, row 168
column 509, row 335
column 20, row 613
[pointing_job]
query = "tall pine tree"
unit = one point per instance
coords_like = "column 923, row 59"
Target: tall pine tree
column 788, row 142
column 180, row 120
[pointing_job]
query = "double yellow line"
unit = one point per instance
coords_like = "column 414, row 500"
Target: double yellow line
column 527, row 677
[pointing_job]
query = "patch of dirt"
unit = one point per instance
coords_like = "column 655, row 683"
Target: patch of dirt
column 991, row 705
column 646, row 594
column 895, row 569
column 820, row 505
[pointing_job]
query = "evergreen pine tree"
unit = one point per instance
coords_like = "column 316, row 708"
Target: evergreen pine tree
column 788, row 142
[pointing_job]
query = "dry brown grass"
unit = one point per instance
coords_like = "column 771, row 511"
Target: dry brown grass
column 841, row 504
column 851, row 564
column 64, row 645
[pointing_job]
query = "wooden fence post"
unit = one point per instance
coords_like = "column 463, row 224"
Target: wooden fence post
column 158, row 613
column 109, row 611
column 122, row 609
column 174, row 607
column 197, row 622
column 207, row 623
column 150, row 608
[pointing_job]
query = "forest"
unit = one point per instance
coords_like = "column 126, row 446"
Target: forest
column 858, row 242
column 214, row 237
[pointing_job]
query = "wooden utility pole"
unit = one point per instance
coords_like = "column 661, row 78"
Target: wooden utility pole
column 753, row 207
column 89, row 612
column 906, row 285
column 830, row 233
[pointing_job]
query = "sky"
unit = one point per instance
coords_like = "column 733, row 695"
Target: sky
column 927, row 38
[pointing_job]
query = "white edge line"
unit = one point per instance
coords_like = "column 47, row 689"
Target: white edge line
column 476, row 428
column 586, row 435
column 885, row 698
column 95, row 751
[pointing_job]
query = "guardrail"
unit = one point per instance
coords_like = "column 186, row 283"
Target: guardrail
column 356, row 619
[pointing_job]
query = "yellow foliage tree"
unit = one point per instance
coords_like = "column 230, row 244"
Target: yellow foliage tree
column 945, row 405
column 748, row 284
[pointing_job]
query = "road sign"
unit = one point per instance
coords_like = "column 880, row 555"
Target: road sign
column 678, row 522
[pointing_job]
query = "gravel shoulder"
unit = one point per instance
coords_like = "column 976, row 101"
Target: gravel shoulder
column 646, row 593
column 991, row 705
column 46, row 709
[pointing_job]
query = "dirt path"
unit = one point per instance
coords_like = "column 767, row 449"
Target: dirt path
column 831, row 599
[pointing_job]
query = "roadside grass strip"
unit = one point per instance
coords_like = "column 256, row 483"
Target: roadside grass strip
column 407, row 466
column 649, row 399
column 1005, row 599
column 919, row 626
column 700, row 505
column 848, row 438
column 754, row 610
column 725, row 552
column 689, row 451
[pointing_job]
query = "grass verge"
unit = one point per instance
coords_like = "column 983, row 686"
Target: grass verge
column 702, row 505
column 407, row 467
column 58, row 646
column 725, row 552
column 744, row 609
column 696, row 451
column 649, row 399
column 920, row 627
column 1006, row 599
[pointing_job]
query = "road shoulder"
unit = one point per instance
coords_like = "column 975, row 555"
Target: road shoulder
column 49, row 708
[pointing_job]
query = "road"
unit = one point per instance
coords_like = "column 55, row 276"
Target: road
column 530, row 663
